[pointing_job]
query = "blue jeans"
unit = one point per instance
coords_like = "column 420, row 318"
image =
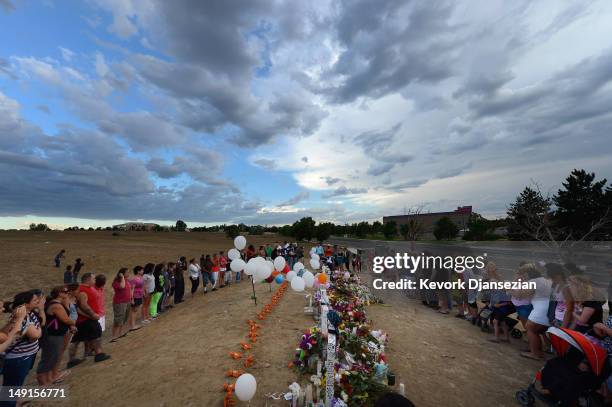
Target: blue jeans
column 15, row 372
column 206, row 278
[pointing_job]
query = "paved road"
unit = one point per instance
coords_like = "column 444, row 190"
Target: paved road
column 507, row 255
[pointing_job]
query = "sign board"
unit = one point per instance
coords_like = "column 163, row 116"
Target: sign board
column 330, row 366
column 324, row 309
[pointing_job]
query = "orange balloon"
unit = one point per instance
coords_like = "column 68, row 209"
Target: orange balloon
column 322, row 278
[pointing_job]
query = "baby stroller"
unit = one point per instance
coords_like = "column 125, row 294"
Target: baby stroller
column 572, row 377
column 484, row 322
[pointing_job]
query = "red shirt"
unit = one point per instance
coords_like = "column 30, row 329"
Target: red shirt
column 92, row 301
column 99, row 291
column 122, row 295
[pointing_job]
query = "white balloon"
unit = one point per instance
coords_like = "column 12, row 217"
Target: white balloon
column 263, row 271
column 237, row 265
column 315, row 264
column 246, row 386
column 298, row 284
column 251, row 267
column 298, row 266
column 314, row 256
column 308, row 279
column 270, row 265
column 240, row 242
column 290, row 275
column 233, row 254
column 279, row 263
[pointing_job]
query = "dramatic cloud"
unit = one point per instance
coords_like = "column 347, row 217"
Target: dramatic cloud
column 216, row 111
column 387, row 45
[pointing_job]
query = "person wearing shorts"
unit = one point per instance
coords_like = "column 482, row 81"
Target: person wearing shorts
column 501, row 305
column 137, row 286
column 122, row 301
column 88, row 328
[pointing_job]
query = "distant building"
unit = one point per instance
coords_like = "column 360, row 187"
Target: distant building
column 461, row 217
column 136, row 226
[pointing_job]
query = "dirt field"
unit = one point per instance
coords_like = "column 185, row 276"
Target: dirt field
column 181, row 359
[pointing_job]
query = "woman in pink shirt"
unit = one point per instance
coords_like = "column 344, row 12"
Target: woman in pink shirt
column 122, row 299
column 137, row 285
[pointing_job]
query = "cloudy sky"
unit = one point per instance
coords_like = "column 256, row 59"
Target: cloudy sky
column 266, row 111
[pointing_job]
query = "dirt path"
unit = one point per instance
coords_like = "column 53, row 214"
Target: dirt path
column 443, row 360
column 181, row 359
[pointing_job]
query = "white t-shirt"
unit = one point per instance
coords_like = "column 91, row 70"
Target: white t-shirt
column 194, row 271
column 149, row 282
column 541, row 301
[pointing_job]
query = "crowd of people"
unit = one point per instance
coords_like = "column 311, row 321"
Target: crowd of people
column 73, row 313
column 564, row 297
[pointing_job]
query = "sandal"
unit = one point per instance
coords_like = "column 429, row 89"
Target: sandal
column 62, row 376
column 136, row 328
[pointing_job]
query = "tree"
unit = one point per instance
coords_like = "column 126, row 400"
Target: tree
column 232, row 231
column 390, row 229
column 404, row 229
column 527, row 215
column 180, row 226
column 286, row 230
column 377, row 227
column 413, row 228
column 362, row 229
column 41, row 227
column 479, row 228
column 584, row 207
column 445, row 229
column 324, row 231
column 304, row 228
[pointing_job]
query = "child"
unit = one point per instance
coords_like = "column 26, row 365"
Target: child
column 68, row 275
column 58, row 258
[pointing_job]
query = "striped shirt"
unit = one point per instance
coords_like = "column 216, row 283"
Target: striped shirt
column 23, row 346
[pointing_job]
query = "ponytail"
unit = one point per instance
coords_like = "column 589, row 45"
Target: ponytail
column 7, row 306
column 20, row 299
